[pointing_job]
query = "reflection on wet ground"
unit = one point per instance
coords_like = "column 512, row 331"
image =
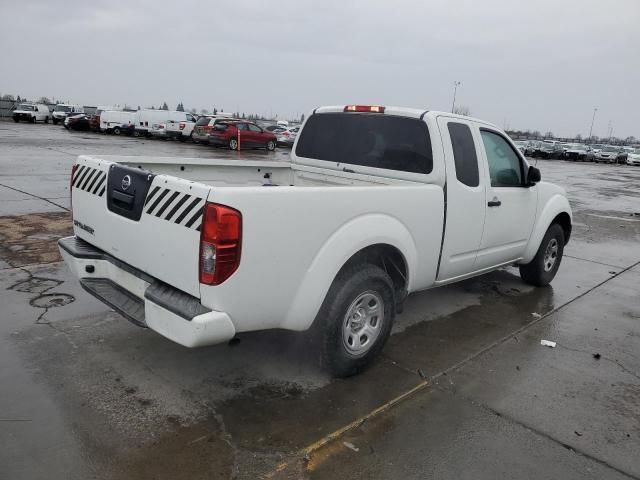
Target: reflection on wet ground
column 84, row 394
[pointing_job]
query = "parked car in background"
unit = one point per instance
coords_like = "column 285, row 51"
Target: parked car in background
column 180, row 126
column 204, row 126
column 117, row 122
column 145, row 119
column 579, row 152
column 238, row 135
column 31, row 112
column 63, row 110
column 549, row 149
column 633, row 157
column 78, row 121
column 523, row 146
column 607, row 154
column 94, row 119
column 596, row 147
column 286, row 137
column 622, row 155
column 274, row 128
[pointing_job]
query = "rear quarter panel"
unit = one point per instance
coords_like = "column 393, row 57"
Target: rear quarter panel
column 296, row 239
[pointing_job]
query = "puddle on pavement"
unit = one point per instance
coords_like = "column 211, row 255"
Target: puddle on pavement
column 32, row 239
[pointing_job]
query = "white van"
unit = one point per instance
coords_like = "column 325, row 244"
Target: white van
column 31, row 112
column 63, row 110
column 144, row 120
column 117, row 122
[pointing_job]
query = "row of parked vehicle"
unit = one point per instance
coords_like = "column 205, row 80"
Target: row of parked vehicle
column 579, row 152
column 222, row 130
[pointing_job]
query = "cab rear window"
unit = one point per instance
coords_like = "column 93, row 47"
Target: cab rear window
column 202, row 121
column 368, row 139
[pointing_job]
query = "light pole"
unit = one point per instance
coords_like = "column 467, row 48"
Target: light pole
column 456, row 84
column 592, row 120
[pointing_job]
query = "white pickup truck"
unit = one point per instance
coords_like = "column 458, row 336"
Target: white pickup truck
column 375, row 203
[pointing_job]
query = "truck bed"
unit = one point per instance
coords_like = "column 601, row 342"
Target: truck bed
column 239, row 173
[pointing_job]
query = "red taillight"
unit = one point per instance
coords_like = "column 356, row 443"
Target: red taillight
column 220, row 243
column 73, row 174
column 181, row 126
column 364, row 108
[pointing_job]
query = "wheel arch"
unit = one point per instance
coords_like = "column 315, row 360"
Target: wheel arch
column 556, row 210
column 377, row 239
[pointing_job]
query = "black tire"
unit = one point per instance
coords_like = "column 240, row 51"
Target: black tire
column 117, row 131
column 271, row 146
column 16, row 119
column 351, row 284
column 233, row 144
column 33, row 119
column 538, row 272
column 46, row 119
column 55, row 121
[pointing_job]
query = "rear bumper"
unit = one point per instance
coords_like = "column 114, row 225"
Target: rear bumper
column 144, row 300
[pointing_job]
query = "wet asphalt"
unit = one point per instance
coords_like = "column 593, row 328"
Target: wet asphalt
column 464, row 388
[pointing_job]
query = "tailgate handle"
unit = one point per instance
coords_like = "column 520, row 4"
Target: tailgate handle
column 122, row 198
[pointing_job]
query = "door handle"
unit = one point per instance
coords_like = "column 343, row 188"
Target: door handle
column 495, row 202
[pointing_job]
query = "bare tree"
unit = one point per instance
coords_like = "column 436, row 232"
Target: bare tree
column 462, row 110
column 8, row 96
column 44, row 100
column 549, row 134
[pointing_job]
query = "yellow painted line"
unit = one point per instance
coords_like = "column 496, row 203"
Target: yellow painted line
column 317, row 445
column 356, row 423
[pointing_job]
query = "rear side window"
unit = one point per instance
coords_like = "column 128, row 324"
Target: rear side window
column 369, row 140
column 202, row 121
column 464, row 154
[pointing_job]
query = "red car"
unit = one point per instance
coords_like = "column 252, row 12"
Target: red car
column 241, row 135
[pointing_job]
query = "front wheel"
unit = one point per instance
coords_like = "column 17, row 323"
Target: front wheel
column 355, row 319
column 544, row 266
column 233, row 144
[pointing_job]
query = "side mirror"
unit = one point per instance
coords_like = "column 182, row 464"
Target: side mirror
column 533, row 176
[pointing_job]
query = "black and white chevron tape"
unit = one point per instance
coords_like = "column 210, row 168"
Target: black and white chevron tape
column 90, row 180
column 180, row 208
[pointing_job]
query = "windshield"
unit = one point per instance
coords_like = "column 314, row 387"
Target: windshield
column 62, row 108
column 203, row 121
column 25, row 106
column 610, row 149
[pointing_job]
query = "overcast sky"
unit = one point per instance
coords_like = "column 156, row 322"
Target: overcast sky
column 540, row 65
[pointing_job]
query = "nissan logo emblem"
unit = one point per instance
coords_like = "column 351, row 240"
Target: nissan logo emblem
column 126, row 182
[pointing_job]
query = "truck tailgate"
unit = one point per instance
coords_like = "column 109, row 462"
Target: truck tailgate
column 151, row 222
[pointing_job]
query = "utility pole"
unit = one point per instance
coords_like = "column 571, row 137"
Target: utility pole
column 592, row 120
column 456, row 84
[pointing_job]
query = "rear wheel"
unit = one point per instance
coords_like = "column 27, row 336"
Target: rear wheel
column 233, row 144
column 271, row 145
column 16, row 119
column 117, row 131
column 544, row 266
column 33, row 119
column 355, row 319
column 46, row 119
column 55, row 121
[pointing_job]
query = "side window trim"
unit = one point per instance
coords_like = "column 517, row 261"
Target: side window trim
column 516, row 153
